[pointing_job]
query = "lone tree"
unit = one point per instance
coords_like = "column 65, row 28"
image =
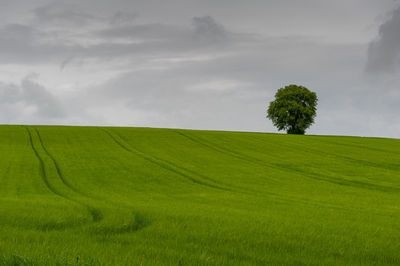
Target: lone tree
column 294, row 109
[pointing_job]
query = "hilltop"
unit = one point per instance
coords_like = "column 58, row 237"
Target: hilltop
column 143, row 196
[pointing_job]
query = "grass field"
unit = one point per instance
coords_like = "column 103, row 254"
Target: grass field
column 140, row 196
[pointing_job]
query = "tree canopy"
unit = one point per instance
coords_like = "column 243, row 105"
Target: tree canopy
column 293, row 109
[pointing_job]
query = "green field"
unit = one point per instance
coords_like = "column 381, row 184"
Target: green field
column 141, row 196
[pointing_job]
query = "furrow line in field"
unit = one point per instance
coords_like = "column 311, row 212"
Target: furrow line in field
column 275, row 195
column 352, row 144
column 94, row 212
column 313, row 176
column 312, row 151
column 42, row 167
column 289, row 168
column 166, row 165
column 334, row 180
column 339, row 181
column 224, row 150
column 214, row 147
column 381, row 165
column 58, row 169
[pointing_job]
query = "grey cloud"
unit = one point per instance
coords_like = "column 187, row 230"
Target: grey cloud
column 68, row 13
column 19, row 33
column 62, row 13
column 26, row 44
column 14, row 42
column 205, row 31
column 18, row 37
column 384, row 52
column 169, row 100
column 29, row 99
column 208, row 30
column 150, row 31
column 234, row 89
column 45, row 103
column 122, row 18
column 172, row 66
column 9, row 93
column 161, row 39
column 65, row 62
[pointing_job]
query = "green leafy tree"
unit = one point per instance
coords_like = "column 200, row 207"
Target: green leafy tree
column 294, row 109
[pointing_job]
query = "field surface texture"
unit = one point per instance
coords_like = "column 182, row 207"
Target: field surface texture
column 140, row 196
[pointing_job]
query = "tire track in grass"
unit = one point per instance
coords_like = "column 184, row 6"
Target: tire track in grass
column 167, row 165
column 339, row 181
column 58, row 169
column 164, row 164
column 42, row 168
column 284, row 168
column 94, row 212
column 223, row 150
column 237, row 189
column 292, row 169
column 289, row 168
column 228, row 152
column 275, row 196
column 295, row 146
column 137, row 223
column 364, row 163
column 356, row 145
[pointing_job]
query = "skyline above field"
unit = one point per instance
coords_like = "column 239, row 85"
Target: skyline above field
column 199, row 64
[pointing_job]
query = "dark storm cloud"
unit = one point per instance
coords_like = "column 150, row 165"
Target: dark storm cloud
column 384, row 52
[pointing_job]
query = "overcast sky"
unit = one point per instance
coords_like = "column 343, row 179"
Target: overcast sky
column 200, row 64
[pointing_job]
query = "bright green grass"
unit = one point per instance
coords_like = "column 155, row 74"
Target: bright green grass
column 140, row 196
